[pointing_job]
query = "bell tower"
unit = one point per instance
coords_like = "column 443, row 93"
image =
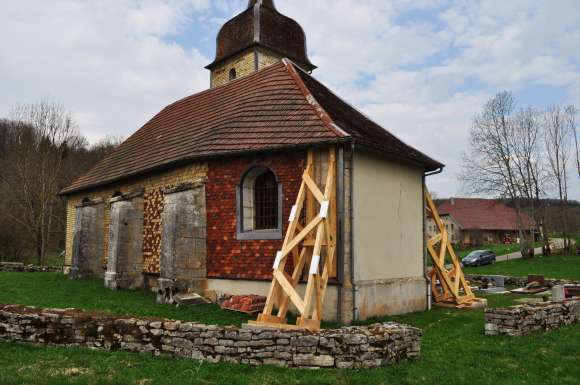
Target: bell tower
column 256, row 38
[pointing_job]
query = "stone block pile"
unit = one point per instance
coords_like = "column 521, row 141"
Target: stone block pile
column 515, row 281
column 528, row 318
column 348, row 347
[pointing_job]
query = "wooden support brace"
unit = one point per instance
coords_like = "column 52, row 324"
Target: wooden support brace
column 313, row 250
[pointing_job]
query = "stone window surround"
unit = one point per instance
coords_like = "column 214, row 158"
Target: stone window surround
column 127, row 196
column 250, row 235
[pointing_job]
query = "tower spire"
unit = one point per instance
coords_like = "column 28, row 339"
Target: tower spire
column 265, row 3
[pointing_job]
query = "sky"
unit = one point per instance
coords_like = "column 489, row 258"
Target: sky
column 420, row 68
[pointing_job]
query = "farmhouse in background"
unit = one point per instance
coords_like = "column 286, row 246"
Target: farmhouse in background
column 199, row 198
column 475, row 222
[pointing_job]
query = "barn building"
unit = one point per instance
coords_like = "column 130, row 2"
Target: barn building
column 478, row 222
column 199, row 197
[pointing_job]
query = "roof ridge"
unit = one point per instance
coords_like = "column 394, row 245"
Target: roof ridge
column 365, row 116
column 320, row 111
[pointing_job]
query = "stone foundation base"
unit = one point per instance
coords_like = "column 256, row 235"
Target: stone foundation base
column 396, row 296
column 347, row 348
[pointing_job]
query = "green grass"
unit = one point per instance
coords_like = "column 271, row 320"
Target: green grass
column 554, row 266
column 57, row 291
column 455, row 351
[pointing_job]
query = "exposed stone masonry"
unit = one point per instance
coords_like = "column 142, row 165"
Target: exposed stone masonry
column 525, row 319
column 349, row 347
column 152, row 206
column 125, row 255
column 516, row 281
column 183, row 247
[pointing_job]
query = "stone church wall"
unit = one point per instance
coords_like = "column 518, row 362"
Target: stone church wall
column 125, row 254
column 183, row 241
column 88, row 239
column 153, row 187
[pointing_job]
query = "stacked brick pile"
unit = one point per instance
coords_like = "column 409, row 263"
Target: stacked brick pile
column 245, row 303
column 349, row 347
column 525, row 319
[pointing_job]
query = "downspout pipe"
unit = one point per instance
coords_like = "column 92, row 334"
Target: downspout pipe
column 355, row 310
column 425, row 256
column 340, row 233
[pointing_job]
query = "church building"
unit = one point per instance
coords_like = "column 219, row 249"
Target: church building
column 199, row 198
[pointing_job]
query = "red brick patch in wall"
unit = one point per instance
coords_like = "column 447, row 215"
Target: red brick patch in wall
column 226, row 256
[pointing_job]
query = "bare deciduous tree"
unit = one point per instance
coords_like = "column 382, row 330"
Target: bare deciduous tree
column 503, row 159
column 558, row 134
column 41, row 139
column 571, row 115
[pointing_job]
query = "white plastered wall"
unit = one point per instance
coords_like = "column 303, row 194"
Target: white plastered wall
column 388, row 236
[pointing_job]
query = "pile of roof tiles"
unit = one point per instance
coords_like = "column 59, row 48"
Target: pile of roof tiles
column 245, row 303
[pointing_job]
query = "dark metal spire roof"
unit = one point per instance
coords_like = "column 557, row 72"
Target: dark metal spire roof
column 262, row 25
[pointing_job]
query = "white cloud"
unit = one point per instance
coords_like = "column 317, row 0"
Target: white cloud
column 421, row 68
column 104, row 60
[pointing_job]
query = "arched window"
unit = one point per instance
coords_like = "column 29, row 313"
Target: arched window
column 259, row 205
column 233, row 74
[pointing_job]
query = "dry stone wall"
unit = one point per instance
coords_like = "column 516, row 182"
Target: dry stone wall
column 525, row 319
column 349, row 347
column 515, row 281
column 19, row 267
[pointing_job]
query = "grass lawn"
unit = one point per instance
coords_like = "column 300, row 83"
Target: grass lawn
column 57, row 291
column 455, row 351
column 554, row 266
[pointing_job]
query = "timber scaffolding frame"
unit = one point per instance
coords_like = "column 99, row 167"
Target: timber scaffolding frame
column 311, row 241
column 448, row 285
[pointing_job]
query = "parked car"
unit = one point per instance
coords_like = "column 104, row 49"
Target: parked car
column 479, row 258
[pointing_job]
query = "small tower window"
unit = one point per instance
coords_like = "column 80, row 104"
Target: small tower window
column 233, row 74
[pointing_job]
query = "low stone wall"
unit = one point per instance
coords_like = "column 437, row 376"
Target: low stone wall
column 515, row 281
column 525, row 319
column 349, row 347
column 21, row 267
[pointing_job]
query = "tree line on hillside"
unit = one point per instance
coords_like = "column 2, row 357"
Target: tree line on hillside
column 41, row 152
column 527, row 156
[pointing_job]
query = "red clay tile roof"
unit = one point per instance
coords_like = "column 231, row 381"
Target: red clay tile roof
column 483, row 214
column 275, row 108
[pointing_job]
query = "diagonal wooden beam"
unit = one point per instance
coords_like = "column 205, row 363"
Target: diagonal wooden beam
column 290, row 291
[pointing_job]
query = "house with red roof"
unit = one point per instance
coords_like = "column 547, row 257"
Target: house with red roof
column 475, row 221
column 199, row 198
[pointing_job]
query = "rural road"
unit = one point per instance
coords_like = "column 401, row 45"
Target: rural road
column 559, row 242
column 515, row 255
